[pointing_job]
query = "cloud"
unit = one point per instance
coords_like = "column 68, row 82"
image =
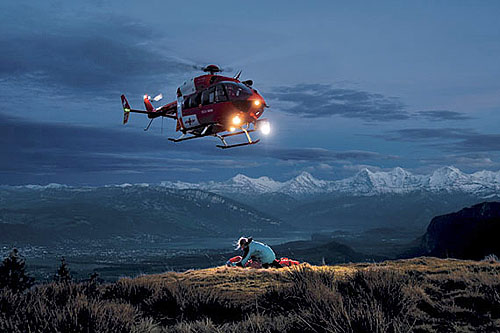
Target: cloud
column 447, row 139
column 322, row 100
column 85, row 55
column 479, row 142
column 424, row 134
column 292, row 156
column 441, row 115
column 467, row 162
column 71, row 153
column 323, row 155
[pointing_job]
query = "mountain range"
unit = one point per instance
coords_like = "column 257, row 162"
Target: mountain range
column 364, row 183
column 242, row 205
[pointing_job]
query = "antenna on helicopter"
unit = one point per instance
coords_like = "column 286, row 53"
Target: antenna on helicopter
column 237, row 75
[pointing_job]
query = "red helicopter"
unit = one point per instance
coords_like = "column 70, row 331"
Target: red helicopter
column 211, row 105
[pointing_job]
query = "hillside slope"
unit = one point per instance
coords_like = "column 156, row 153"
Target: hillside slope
column 103, row 212
column 417, row 295
column 471, row 233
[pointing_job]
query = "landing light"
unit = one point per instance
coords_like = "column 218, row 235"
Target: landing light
column 265, row 128
column 256, row 102
column 232, row 129
column 236, row 120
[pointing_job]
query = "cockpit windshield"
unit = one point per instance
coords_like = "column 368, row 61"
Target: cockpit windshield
column 237, row 90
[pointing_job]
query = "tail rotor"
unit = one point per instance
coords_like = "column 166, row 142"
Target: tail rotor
column 126, row 109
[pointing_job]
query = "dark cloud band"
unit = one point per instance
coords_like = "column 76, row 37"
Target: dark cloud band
column 322, row 100
column 447, row 139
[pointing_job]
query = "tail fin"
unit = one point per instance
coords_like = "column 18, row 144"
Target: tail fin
column 148, row 105
column 126, row 109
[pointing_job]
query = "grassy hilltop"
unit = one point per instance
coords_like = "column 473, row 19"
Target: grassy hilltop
column 420, row 295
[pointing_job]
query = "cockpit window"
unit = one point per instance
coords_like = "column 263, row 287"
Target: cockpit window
column 237, row 91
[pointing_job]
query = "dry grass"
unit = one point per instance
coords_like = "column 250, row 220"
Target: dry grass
column 416, row 295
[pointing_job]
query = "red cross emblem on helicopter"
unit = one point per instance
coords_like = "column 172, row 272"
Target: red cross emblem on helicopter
column 190, row 121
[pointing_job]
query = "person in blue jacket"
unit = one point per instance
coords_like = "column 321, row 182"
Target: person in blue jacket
column 257, row 251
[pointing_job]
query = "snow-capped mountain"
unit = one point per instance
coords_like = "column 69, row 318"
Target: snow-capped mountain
column 365, row 182
column 303, row 184
column 236, row 184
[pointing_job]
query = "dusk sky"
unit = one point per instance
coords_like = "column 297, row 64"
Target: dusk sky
column 376, row 84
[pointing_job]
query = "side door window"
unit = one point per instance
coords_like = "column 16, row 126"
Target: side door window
column 220, row 94
column 195, row 100
column 211, row 95
column 204, row 97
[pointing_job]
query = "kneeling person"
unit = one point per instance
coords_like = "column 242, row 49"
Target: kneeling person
column 257, row 251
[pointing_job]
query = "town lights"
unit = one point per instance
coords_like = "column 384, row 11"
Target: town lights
column 236, row 120
column 265, row 128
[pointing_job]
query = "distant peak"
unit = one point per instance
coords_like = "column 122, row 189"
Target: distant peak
column 48, row 186
column 364, row 172
column 399, row 170
column 305, row 174
column 448, row 169
column 265, row 178
column 240, row 177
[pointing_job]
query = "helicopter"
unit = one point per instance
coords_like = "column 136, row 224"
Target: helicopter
column 210, row 105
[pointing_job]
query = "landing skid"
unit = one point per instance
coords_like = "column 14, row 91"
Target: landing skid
column 222, row 137
column 238, row 144
column 182, row 138
column 243, row 131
